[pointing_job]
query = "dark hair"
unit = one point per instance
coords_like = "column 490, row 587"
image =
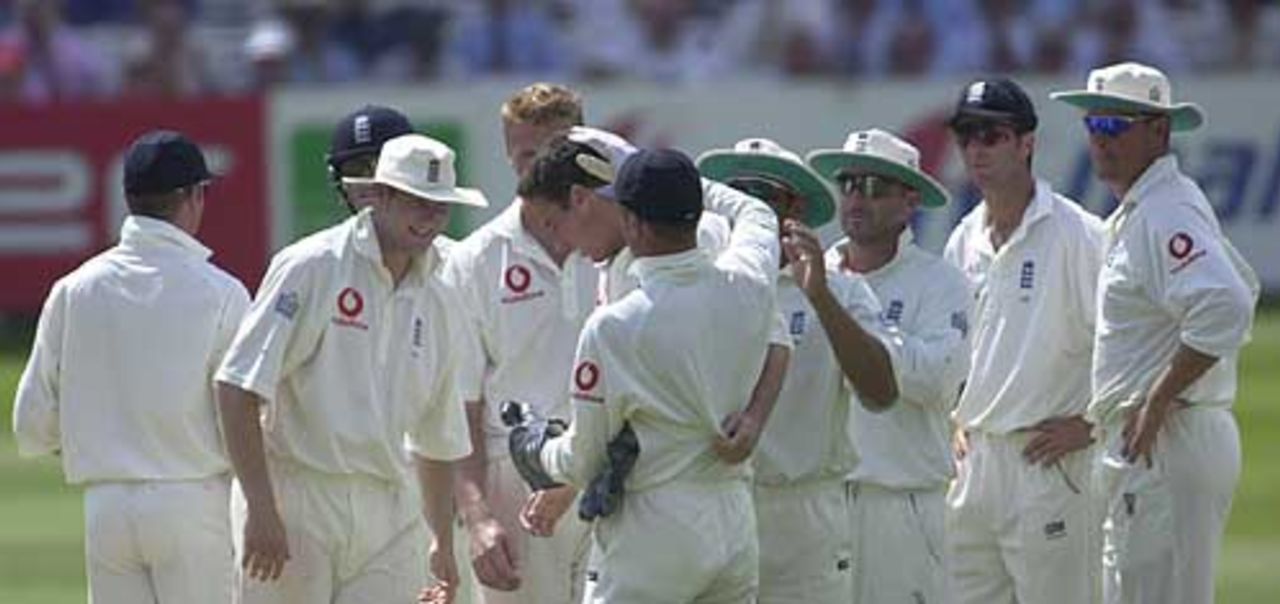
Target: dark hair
column 161, row 206
column 555, row 170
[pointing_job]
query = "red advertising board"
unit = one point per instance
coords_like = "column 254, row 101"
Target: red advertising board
column 61, row 199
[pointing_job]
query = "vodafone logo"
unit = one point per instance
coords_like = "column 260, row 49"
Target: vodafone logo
column 586, row 376
column 1181, row 245
column 350, row 303
column 517, row 278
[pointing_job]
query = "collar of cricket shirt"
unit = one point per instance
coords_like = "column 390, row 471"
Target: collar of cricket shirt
column 510, row 225
column 650, row 268
column 906, row 240
column 365, row 242
column 1162, row 167
column 141, row 229
column 1041, row 207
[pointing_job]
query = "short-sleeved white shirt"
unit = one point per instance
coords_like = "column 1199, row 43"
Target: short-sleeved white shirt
column 1033, row 313
column 1170, row 278
column 352, row 367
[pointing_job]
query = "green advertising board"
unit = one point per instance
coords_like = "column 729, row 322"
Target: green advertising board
column 313, row 205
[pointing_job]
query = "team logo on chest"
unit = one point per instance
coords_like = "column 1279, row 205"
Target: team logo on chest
column 797, row 323
column 893, row 314
column 1027, row 279
column 350, row 308
column 517, row 280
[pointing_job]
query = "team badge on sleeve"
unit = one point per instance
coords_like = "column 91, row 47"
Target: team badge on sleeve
column 287, row 304
column 1183, row 250
column 586, row 377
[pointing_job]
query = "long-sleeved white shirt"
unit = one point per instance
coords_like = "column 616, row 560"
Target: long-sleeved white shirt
column 527, row 311
column 1034, row 308
column 120, row 379
column 908, row 445
column 674, row 357
column 1170, row 277
column 353, row 368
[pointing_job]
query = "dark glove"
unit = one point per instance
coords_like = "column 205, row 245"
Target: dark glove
column 604, row 495
column 528, row 435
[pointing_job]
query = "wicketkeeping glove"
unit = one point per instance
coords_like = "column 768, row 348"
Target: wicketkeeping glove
column 604, row 495
column 528, row 435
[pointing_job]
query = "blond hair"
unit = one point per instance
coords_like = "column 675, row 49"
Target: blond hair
column 544, row 104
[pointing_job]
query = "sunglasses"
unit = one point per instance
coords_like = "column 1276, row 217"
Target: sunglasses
column 986, row 135
column 1113, row 125
column 869, row 186
column 764, row 189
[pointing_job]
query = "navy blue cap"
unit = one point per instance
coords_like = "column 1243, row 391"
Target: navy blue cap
column 161, row 161
column 363, row 131
column 998, row 99
column 660, row 186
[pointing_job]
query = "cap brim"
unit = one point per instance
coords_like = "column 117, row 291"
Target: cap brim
column 973, row 114
column 454, row 195
column 829, row 163
column 1183, row 117
column 724, row 166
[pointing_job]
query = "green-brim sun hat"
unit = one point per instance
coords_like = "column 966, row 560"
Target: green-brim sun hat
column 1133, row 88
column 879, row 152
column 764, row 157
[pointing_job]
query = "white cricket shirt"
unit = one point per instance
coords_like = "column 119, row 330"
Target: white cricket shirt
column 1034, row 309
column 348, row 363
column 120, row 378
column 809, row 434
column 1170, row 277
column 908, row 445
column 674, row 357
column 528, row 313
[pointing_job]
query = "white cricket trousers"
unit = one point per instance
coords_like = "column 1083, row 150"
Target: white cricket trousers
column 1164, row 524
column 898, row 556
column 552, row 569
column 806, row 553
column 353, row 539
column 688, row 543
column 1018, row 532
column 162, row 541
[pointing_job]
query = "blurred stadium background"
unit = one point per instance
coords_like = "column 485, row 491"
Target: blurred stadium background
column 260, row 83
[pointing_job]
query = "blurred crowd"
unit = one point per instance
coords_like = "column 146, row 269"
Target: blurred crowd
column 70, row 49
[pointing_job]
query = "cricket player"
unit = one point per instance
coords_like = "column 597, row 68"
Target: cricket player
column 120, row 385
column 527, row 295
column 896, row 490
column 1020, row 526
column 353, row 150
column 1175, row 306
column 349, row 353
column 685, row 529
column 594, row 225
column 806, row 452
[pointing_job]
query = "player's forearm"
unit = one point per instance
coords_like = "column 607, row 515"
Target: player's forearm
column 862, row 356
column 765, row 394
column 242, row 434
column 436, row 479
column 1187, row 365
column 471, row 472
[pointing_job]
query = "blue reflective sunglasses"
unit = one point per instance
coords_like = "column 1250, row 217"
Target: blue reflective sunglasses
column 1113, row 125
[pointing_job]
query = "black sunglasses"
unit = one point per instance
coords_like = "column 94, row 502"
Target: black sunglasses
column 870, row 186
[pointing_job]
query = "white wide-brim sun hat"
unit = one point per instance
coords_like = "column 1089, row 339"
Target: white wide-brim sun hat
column 422, row 167
column 879, row 152
column 764, row 157
column 1133, row 88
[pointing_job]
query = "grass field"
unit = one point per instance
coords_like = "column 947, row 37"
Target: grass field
column 41, row 526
